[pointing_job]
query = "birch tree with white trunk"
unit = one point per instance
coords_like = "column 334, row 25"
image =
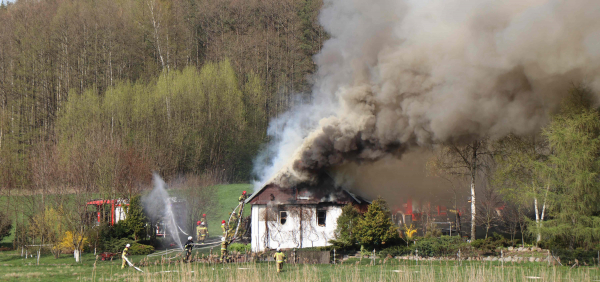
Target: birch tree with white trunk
column 466, row 161
column 521, row 172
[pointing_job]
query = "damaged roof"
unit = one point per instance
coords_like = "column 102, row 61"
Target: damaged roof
column 304, row 194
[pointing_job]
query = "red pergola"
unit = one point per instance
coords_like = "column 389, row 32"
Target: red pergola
column 112, row 203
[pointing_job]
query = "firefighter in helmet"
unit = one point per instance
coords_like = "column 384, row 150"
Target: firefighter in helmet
column 279, row 257
column 189, row 245
column 224, row 249
column 201, row 232
column 224, row 227
column 124, row 255
column 243, row 197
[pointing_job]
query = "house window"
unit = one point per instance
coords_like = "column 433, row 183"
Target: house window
column 321, row 216
column 282, row 217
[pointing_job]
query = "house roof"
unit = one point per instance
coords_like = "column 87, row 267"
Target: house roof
column 305, row 193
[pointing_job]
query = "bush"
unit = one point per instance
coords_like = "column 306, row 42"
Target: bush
column 140, row 249
column 553, row 243
column 491, row 244
column 238, row 247
column 395, row 251
column 157, row 243
column 117, row 245
column 568, row 257
column 5, row 226
column 437, row 247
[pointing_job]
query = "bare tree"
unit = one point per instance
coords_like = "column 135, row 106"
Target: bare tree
column 490, row 208
column 466, row 161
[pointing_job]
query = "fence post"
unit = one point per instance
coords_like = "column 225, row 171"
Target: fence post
column 502, row 257
column 333, row 256
column 417, row 256
column 548, row 258
column 373, row 259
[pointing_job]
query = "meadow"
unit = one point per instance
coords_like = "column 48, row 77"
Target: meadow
column 170, row 268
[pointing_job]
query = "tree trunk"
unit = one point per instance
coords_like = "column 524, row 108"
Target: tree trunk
column 537, row 220
column 473, row 174
column 473, row 209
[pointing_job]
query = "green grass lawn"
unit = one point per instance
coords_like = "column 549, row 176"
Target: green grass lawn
column 227, row 196
column 13, row 267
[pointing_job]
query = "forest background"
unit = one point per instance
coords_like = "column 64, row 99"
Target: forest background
column 97, row 94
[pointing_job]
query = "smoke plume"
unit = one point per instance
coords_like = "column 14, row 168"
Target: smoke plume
column 399, row 74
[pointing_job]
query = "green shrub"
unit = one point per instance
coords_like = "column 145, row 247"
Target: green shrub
column 5, row 225
column 395, row 251
column 238, row 247
column 117, row 245
column 157, row 242
column 437, row 247
column 553, row 243
column 491, row 244
column 140, row 249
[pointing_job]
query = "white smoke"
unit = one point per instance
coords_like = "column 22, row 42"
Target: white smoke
column 159, row 208
column 397, row 74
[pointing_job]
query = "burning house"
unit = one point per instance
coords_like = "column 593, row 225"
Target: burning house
column 421, row 214
column 298, row 217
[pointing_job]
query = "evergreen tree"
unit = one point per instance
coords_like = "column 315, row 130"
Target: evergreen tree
column 136, row 219
column 574, row 138
column 375, row 228
column 345, row 232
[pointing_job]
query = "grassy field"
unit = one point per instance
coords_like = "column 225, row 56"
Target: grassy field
column 16, row 268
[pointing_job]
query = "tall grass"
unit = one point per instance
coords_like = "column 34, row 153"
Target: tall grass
column 349, row 272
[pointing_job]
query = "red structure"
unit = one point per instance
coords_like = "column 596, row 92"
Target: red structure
column 116, row 208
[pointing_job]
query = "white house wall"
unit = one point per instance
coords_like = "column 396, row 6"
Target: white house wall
column 296, row 232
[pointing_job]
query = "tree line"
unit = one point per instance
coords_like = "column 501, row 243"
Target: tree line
column 123, row 88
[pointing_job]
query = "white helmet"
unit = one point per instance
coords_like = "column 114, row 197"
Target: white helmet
column 222, row 239
column 190, row 238
column 127, row 245
column 278, row 249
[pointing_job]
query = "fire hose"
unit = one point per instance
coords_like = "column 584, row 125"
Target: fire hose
column 182, row 231
column 131, row 264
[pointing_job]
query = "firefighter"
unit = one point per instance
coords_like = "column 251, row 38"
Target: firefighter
column 279, row 257
column 198, row 223
column 224, row 227
column 243, row 197
column 124, row 255
column 203, row 219
column 223, row 249
column 202, row 232
column 189, row 245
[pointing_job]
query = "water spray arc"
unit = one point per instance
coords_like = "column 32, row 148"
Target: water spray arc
column 159, row 200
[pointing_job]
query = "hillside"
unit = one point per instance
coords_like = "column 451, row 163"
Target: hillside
column 227, row 196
